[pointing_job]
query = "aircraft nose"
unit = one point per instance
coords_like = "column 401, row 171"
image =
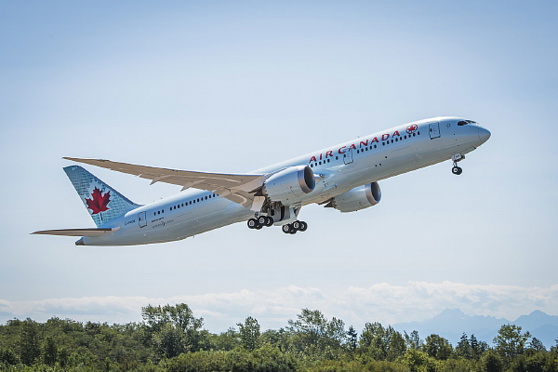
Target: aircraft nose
column 484, row 134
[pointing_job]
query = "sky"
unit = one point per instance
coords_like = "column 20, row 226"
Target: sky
column 225, row 86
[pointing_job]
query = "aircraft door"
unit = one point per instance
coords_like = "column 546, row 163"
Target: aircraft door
column 142, row 219
column 434, row 130
column 348, row 156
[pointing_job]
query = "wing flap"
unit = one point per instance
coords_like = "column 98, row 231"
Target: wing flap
column 238, row 188
column 78, row 232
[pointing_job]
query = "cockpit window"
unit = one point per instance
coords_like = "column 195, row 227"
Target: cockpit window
column 465, row 122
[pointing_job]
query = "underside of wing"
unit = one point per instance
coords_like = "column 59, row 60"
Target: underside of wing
column 238, row 188
column 77, row 232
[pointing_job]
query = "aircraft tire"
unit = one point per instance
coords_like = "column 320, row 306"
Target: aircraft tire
column 262, row 221
column 287, row 228
column 303, row 226
column 269, row 221
column 456, row 170
column 252, row 223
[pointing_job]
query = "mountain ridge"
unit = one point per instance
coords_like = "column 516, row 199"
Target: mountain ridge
column 452, row 323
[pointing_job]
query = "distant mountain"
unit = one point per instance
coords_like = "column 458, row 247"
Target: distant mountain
column 452, row 323
column 540, row 325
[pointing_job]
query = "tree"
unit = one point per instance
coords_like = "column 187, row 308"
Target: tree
column 510, row 341
column 463, row 348
column 174, row 329
column 536, row 345
column 314, row 335
column 413, row 340
column 382, row 343
column 491, row 362
column 50, row 352
column 418, row 360
column 29, row 344
column 373, row 341
column 437, row 347
column 352, row 339
column 8, row 356
column 227, row 340
column 249, row 333
column 397, row 346
column 477, row 347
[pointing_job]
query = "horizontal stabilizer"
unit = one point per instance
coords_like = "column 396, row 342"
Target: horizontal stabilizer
column 78, row 232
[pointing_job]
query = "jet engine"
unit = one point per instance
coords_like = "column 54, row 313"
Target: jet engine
column 289, row 184
column 358, row 198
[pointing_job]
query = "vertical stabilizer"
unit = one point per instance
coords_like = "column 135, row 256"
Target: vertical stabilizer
column 102, row 201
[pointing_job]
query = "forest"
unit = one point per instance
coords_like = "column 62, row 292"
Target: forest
column 170, row 338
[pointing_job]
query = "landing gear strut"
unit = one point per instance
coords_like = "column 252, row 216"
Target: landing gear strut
column 292, row 228
column 457, row 158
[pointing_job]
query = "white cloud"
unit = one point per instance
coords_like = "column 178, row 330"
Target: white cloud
column 381, row 302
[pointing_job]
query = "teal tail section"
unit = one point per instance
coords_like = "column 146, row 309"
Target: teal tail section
column 103, row 203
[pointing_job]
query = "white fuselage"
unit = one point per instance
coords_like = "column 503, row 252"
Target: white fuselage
column 338, row 169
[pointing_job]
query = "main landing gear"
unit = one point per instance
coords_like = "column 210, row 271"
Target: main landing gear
column 265, row 221
column 258, row 223
column 457, row 158
column 292, row 228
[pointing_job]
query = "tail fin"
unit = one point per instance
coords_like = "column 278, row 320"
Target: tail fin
column 102, row 201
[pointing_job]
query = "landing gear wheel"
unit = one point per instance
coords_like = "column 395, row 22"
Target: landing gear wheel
column 456, row 170
column 262, row 220
column 269, row 221
column 303, row 226
column 252, row 223
column 287, row 228
column 296, row 225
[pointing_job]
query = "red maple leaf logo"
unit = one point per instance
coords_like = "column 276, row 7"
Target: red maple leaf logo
column 98, row 202
column 412, row 128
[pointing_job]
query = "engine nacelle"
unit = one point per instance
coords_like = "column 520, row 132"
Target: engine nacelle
column 358, row 198
column 289, row 184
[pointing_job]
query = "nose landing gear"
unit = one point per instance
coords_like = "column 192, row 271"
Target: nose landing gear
column 457, row 158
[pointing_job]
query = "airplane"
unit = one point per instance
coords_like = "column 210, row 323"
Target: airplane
column 344, row 177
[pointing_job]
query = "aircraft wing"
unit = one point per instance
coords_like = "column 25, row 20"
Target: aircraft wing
column 238, row 188
column 77, row 232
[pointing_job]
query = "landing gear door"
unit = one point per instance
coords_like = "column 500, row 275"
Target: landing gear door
column 142, row 219
column 348, row 156
column 434, row 130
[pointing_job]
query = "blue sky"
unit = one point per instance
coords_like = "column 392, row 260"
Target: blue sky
column 231, row 87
